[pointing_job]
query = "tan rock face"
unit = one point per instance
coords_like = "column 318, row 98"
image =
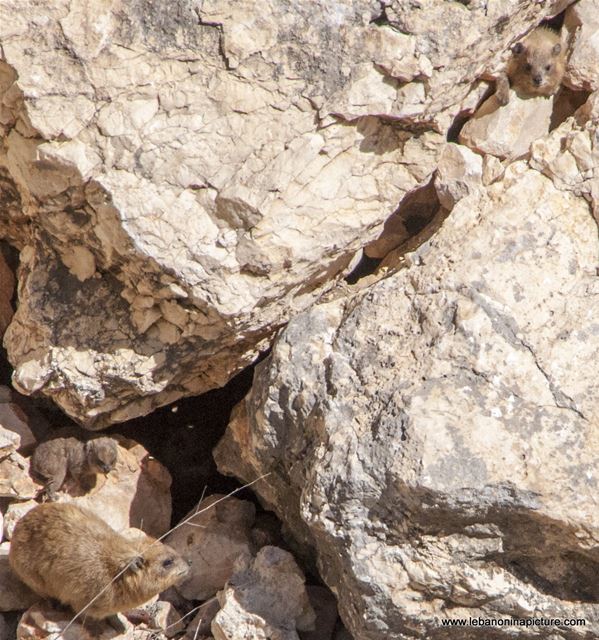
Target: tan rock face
column 508, row 131
column 211, row 542
column 136, row 493
column 15, row 432
column 435, row 436
column 15, row 481
column 265, row 599
column 168, row 227
column 582, row 24
column 14, row 513
column 41, row 620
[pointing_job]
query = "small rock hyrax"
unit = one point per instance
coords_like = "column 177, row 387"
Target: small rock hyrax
column 536, row 68
column 64, row 552
column 55, row 459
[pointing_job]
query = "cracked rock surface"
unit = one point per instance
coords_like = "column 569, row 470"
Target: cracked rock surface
column 183, row 178
column 434, row 438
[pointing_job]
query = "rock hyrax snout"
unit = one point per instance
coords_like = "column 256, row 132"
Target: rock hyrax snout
column 55, row 459
column 536, row 68
column 64, row 552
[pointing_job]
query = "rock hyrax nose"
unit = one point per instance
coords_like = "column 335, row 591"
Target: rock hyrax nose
column 64, row 552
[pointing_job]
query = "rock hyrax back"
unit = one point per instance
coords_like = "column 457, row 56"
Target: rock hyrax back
column 54, row 459
column 64, row 552
column 537, row 66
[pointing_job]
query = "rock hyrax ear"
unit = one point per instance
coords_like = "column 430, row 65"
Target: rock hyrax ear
column 518, row 48
column 557, row 49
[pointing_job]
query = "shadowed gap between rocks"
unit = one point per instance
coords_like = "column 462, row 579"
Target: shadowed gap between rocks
column 182, row 435
column 404, row 230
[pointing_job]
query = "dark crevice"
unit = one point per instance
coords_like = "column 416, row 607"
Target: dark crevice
column 555, row 23
column 404, row 230
column 182, row 436
column 457, row 125
column 570, row 576
column 382, row 18
column 566, row 102
column 365, row 267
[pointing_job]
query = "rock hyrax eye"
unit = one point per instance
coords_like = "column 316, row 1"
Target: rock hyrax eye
column 169, row 562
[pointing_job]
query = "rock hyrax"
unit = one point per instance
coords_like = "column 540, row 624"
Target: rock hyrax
column 536, row 68
column 64, row 552
column 54, row 459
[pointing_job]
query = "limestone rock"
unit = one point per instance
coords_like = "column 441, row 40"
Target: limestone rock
column 200, row 626
column 9, row 441
column 459, row 172
column 508, row 131
column 434, row 436
column 582, row 23
column 14, row 426
column 136, row 493
column 7, row 289
column 43, row 621
column 164, row 616
column 569, row 155
column 14, row 478
column 14, row 595
column 14, row 513
column 211, row 542
column 169, row 228
column 266, row 600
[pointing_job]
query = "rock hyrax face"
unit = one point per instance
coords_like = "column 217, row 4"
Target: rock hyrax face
column 101, row 454
column 540, row 63
column 163, row 565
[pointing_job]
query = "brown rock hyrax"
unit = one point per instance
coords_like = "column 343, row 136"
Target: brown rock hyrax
column 55, row 459
column 64, row 552
column 536, row 68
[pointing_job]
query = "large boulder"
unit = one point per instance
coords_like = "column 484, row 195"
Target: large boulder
column 181, row 179
column 434, row 437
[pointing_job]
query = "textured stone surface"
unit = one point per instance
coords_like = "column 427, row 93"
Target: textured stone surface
column 435, row 437
column 14, row 595
column 265, row 599
column 211, row 542
column 15, row 481
column 582, row 24
column 459, row 172
column 508, row 132
column 136, row 493
column 199, row 627
column 168, row 227
column 14, row 513
column 164, row 616
column 14, row 425
column 43, row 621
column 9, row 441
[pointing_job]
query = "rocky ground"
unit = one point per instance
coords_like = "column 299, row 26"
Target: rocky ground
column 302, row 246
